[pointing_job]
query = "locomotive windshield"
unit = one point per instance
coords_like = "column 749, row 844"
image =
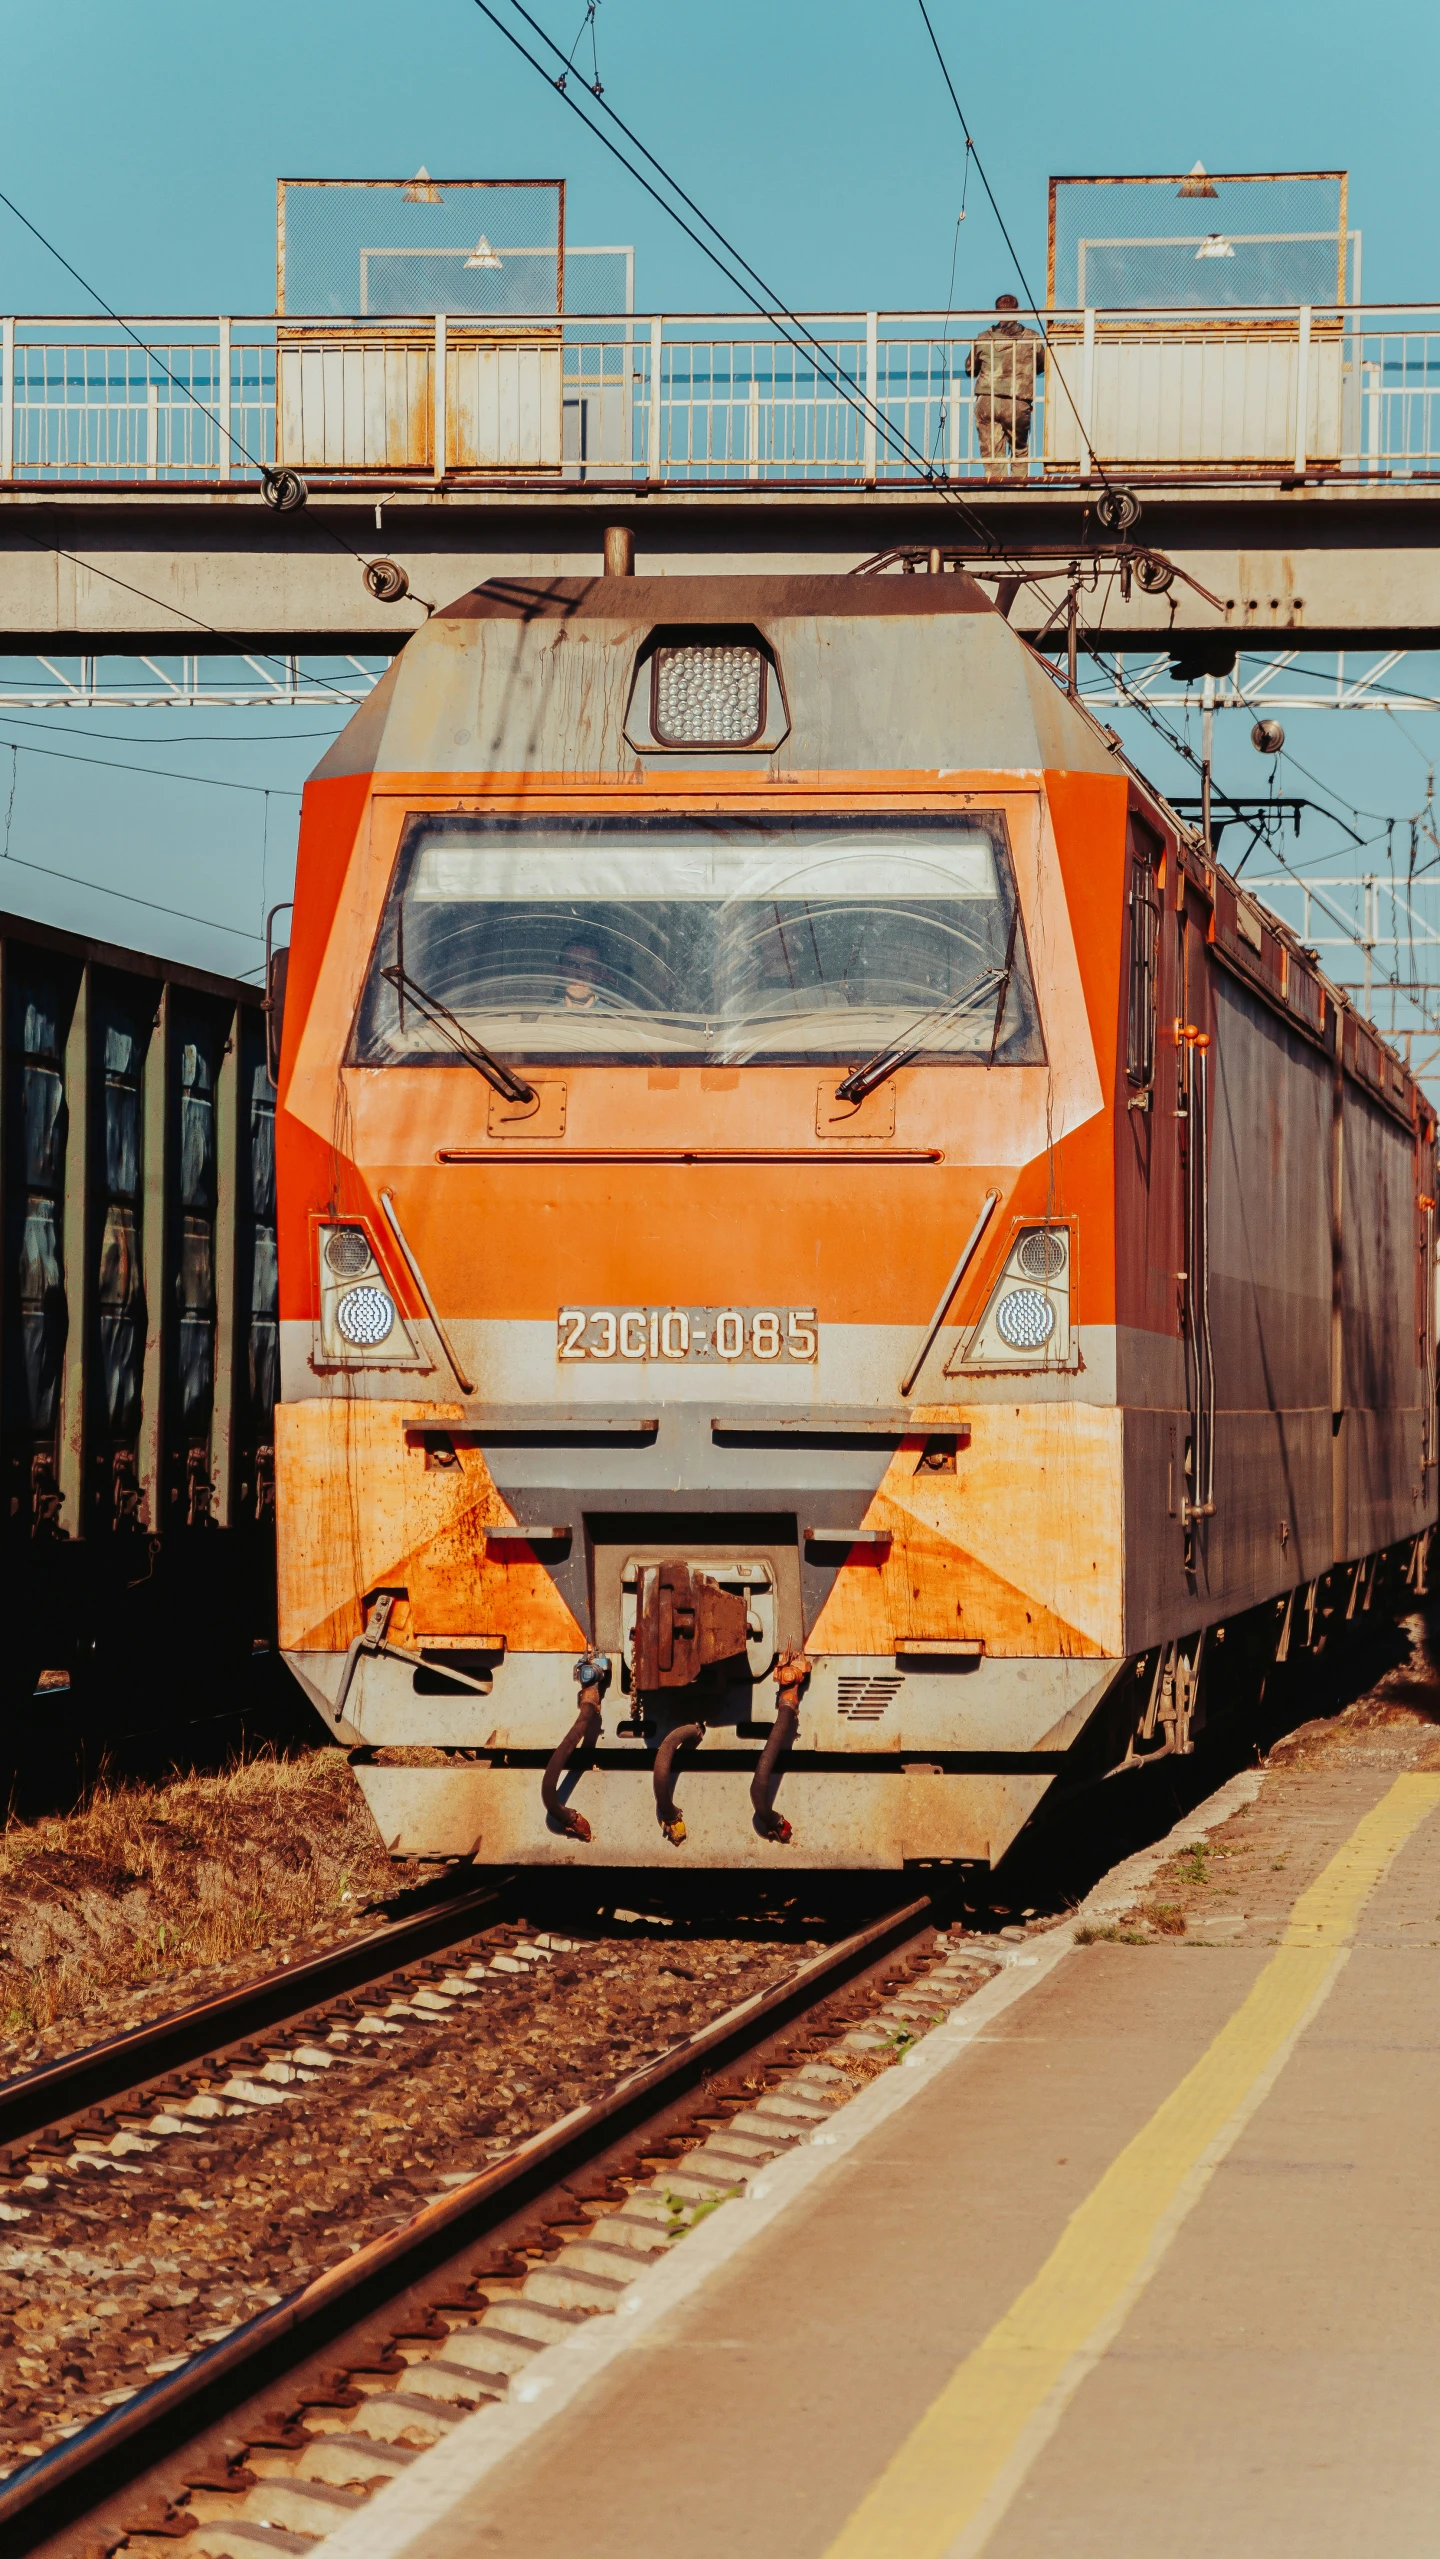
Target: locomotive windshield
column 649, row 940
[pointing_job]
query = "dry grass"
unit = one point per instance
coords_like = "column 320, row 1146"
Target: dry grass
column 148, row 1882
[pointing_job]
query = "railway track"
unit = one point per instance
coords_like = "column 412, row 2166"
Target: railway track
column 64, row 2094
column 672, row 2056
column 270, row 2435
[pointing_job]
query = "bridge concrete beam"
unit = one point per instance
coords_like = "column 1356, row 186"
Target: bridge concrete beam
column 106, row 569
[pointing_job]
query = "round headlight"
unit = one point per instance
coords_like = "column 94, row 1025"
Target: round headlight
column 366, row 1316
column 1042, row 1253
column 1026, row 1319
column 346, row 1251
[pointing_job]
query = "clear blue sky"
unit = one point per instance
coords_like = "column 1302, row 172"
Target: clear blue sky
column 146, row 142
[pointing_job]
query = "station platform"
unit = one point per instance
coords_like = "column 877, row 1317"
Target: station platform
column 1144, row 2260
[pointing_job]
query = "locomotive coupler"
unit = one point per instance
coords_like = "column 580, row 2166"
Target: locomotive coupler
column 592, row 1676
column 791, row 1672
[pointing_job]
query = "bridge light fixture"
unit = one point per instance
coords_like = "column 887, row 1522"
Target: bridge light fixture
column 482, row 255
column 1199, row 182
column 421, row 189
column 1215, row 245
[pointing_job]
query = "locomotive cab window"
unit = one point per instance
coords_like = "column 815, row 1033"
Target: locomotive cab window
column 635, row 941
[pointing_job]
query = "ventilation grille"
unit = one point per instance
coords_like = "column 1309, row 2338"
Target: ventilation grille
column 863, row 1701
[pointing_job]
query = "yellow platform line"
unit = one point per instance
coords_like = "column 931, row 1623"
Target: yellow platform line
column 951, row 2481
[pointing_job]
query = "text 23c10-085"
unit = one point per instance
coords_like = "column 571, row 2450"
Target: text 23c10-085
column 687, row 1333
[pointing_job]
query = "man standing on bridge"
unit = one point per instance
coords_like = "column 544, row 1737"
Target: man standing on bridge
column 1003, row 364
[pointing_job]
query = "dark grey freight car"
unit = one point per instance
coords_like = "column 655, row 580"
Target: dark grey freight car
column 138, row 1324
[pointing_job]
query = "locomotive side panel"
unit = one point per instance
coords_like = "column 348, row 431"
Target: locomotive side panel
column 1381, row 1479
column 1151, row 1373
column 1149, row 1235
column 1269, row 1303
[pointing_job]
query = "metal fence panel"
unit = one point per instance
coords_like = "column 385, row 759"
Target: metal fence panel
column 828, row 400
column 504, row 407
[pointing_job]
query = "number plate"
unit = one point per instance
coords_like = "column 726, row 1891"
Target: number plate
column 725, row 1333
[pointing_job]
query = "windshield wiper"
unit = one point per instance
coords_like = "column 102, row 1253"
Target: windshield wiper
column 505, row 1081
column 864, row 1079
column 1003, row 996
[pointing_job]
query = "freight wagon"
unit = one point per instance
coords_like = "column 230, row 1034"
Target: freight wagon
column 814, row 1210
column 138, row 1323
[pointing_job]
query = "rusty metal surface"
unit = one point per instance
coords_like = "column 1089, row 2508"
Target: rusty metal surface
column 684, row 1624
column 724, row 600
column 114, row 955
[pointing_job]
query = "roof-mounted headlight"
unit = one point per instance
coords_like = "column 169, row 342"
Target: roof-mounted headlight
column 701, row 690
column 711, row 695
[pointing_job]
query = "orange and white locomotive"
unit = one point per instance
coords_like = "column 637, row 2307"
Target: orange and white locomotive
column 812, row 1210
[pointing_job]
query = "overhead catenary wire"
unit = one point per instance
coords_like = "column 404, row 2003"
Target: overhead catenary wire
column 1378, row 817
column 949, row 343
column 1414, row 993
column 117, row 737
column 149, row 352
column 153, row 356
column 1031, row 305
column 1242, row 700
column 1181, row 745
column 154, row 772
column 596, row 85
column 1393, row 715
column 162, row 604
column 1363, row 683
column 766, row 302
column 127, row 897
column 770, row 304
column 1138, row 701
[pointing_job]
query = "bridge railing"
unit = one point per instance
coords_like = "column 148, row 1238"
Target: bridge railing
column 859, row 399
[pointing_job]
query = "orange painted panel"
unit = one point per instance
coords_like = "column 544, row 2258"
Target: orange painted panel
column 1022, row 1547
column 332, row 815
column 1088, row 812
column 359, row 1509
column 872, row 1241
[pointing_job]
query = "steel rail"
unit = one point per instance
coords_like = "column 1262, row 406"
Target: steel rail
column 46, row 2500
column 59, row 2089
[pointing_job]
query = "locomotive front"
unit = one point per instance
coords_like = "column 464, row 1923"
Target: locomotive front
column 699, row 1441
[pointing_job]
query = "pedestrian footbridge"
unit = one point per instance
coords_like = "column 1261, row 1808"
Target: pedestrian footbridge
column 1287, row 459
